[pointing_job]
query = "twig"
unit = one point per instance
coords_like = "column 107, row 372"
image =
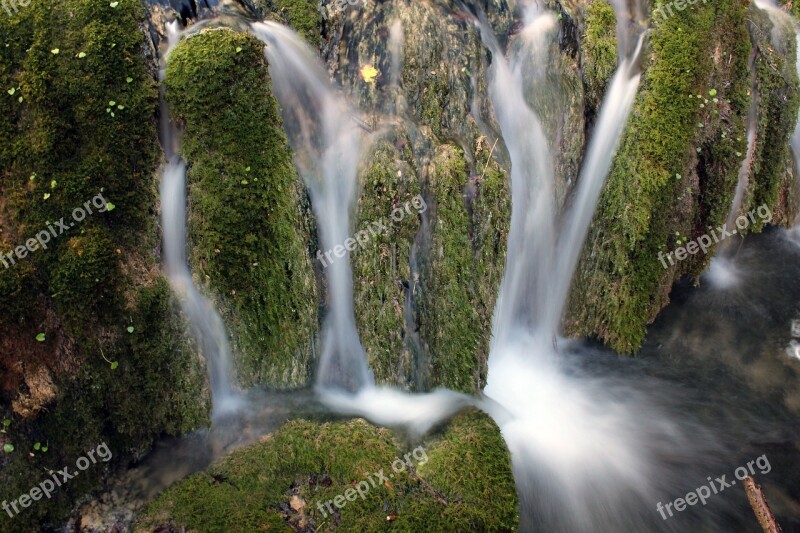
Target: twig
column 489, row 159
column 760, row 507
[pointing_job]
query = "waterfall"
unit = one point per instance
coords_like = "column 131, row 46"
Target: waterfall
column 327, row 140
column 580, row 456
column 327, row 145
column 206, row 323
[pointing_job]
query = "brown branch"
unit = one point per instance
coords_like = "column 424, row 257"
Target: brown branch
column 760, row 507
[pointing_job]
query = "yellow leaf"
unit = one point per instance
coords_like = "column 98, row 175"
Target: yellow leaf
column 369, row 73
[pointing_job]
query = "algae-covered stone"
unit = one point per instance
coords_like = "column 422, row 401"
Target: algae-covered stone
column 388, row 221
column 462, row 267
column 247, row 226
column 598, row 52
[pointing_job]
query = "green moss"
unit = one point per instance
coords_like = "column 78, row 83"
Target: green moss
column 777, row 87
column 598, row 52
column 658, row 184
column 461, row 274
column 246, row 225
column 84, row 282
column 302, row 15
column 60, row 146
column 388, row 222
column 312, row 463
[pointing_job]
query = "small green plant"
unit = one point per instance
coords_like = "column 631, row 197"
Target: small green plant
column 8, row 447
column 40, row 337
column 113, row 364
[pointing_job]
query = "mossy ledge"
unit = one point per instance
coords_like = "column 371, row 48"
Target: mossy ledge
column 247, row 224
column 461, row 481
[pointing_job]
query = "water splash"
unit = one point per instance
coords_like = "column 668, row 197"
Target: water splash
column 722, row 273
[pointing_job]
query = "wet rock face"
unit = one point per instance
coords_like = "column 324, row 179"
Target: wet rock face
column 429, row 287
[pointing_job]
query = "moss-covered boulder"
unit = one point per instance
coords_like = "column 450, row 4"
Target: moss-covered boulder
column 675, row 173
column 308, row 475
column 247, row 212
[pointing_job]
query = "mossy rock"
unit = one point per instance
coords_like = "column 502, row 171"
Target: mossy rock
column 598, row 52
column 460, row 480
column 462, row 266
column 389, row 212
column 62, row 143
column 673, row 175
column 247, row 224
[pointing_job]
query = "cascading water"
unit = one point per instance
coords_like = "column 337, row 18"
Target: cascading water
column 553, row 423
column 580, row 456
column 327, row 142
column 587, row 453
column 327, row 145
column 207, row 324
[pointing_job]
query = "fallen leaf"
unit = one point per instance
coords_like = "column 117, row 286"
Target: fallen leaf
column 369, row 73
